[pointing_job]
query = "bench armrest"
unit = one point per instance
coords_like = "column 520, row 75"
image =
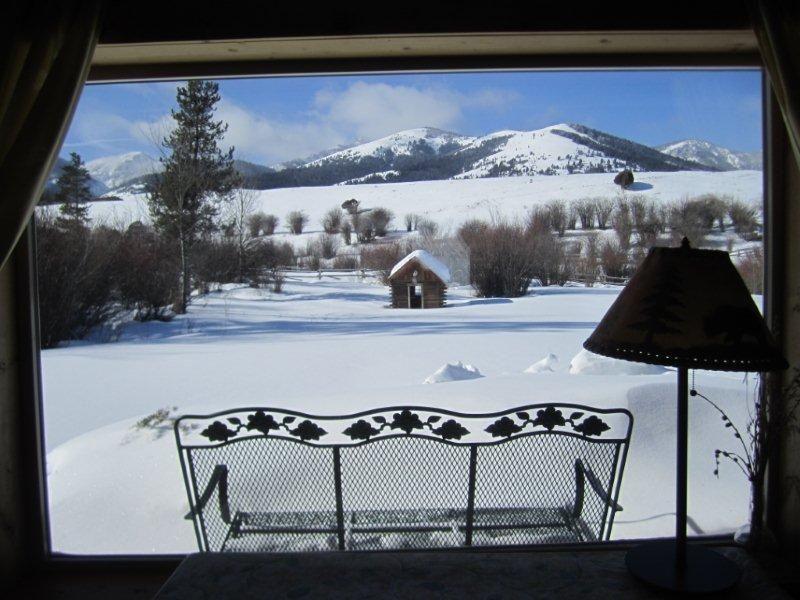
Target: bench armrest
column 219, row 478
column 582, row 475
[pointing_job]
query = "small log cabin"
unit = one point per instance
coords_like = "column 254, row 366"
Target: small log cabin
column 419, row 281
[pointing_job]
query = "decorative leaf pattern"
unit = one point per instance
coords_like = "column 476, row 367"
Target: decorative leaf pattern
column 548, row 418
column 361, row 430
column 407, row 421
column 263, row 423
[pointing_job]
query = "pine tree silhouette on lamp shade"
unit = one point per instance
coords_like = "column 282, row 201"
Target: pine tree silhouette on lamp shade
column 690, row 309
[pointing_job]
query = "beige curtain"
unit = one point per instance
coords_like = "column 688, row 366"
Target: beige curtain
column 44, row 59
column 777, row 27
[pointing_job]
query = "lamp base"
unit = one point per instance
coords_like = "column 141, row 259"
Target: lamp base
column 706, row 571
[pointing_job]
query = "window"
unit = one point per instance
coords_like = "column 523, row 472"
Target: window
column 506, row 180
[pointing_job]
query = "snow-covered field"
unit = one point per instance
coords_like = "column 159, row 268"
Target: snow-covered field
column 331, row 346
column 451, row 202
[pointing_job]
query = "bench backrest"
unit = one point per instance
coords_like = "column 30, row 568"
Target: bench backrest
column 461, row 479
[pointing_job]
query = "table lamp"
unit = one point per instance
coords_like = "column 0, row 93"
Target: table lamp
column 690, row 309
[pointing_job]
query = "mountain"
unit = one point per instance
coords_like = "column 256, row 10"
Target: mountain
column 116, row 171
column 431, row 154
column 427, row 153
column 98, row 188
column 713, row 155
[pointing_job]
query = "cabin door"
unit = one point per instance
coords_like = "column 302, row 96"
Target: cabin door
column 414, row 296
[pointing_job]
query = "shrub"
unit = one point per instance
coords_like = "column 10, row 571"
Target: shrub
column 471, row 231
column 148, row 273
column 427, row 228
column 277, row 279
column 332, row 220
column 572, row 218
column 743, row 217
column 409, row 222
column 215, row 261
column 751, row 268
column 255, row 224
column 381, row 218
column 328, row 245
column 381, row 258
column 77, row 270
column 622, row 222
column 363, row 228
column 711, row 209
column 297, row 220
column 614, row 259
column 685, row 220
column 558, row 216
column 346, row 230
column 603, row 208
column 269, row 224
column 345, row 262
column 585, row 210
column 502, row 260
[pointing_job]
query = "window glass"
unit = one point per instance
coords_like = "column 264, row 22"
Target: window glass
column 332, row 245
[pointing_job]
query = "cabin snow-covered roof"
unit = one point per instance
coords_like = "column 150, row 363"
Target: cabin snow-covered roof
column 426, row 260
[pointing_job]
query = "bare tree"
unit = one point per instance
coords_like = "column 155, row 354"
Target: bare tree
column 603, row 208
column 238, row 212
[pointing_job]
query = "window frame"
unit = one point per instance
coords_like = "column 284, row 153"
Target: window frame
column 33, row 453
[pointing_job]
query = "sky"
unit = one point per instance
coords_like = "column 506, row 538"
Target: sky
column 274, row 119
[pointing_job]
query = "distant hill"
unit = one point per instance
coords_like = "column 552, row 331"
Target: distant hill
column 430, row 154
column 713, row 155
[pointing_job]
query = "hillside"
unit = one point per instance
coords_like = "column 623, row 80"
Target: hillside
column 713, row 155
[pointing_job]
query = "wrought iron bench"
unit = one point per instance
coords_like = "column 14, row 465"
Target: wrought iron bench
column 273, row 480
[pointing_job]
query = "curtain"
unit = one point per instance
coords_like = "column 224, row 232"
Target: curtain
column 777, row 26
column 45, row 53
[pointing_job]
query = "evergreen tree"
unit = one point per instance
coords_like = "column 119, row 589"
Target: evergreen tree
column 184, row 199
column 73, row 193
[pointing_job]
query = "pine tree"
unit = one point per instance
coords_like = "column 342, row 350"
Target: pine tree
column 184, row 199
column 73, row 193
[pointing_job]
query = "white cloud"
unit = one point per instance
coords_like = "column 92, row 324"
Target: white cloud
column 372, row 110
column 361, row 111
column 260, row 139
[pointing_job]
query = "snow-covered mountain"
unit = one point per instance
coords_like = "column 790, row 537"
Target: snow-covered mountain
column 409, row 142
column 432, row 154
column 116, row 171
column 98, row 188
column 713, row 155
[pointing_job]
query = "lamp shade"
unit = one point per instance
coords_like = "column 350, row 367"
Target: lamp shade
column 686, row 307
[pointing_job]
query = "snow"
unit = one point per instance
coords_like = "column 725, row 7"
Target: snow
column 588, row 363
column 452, row 202
column 428, row 261
column 115, row 170
column 330, row 346
column 456, row 371
column 398, row 143
column 708, row 153
column 546, row 365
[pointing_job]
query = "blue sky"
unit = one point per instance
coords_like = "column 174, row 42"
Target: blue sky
column 281, row 118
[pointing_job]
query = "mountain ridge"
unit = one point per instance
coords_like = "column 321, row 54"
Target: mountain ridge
column 430, row 153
